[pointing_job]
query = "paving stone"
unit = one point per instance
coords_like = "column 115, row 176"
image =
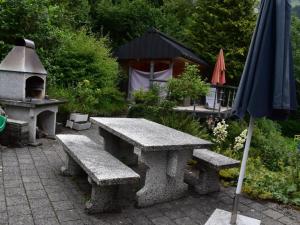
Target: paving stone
column 62, row 205
column 50, row 182
column 270, row 221
column 18, row 210
column 25, row 161
column 286, row 220
column 9, row 192
column 2, row 197
column 76, row 222
column 2, row 206
column 33, row 186
column 185, row 221
column 13, row 183
column 27, row 166
column 11, row 169
column 36, row 194
column 21, row 220
column 174, row 214
column 54, row 197
column 29, row 172
column 273, row 214
column 53, row 189
column 162, row 221
column 16, row 200
column 30, row 179
column 14, row 176
column 47, row 175
column 257, row 206
column 10, row 164
column 38, row 203
column 67, row 215
column 141, row 220
column 46, row 221
column 43, row 212
column 254, row 214
column 153, row 212
column 3, row 217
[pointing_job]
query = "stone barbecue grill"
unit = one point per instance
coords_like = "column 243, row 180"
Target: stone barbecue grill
column 22, row 90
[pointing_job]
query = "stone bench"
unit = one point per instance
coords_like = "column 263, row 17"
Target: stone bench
column 105, row 172
column 208, row 165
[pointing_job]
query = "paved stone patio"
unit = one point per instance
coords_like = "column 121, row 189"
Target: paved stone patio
column 32, row 191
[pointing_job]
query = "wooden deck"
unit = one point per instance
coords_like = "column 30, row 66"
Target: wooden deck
column 202, row 111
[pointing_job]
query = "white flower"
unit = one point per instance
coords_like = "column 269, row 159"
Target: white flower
column 220, row 132
column 239, row 141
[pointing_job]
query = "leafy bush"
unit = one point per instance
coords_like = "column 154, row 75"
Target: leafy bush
column 150, row 97
column 149, row 105
column 81, row 56
column 188, row 84
column 86, row 98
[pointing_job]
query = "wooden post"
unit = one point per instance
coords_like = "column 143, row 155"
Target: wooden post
column 152, row 65
column 129, row 83
column 171, row 66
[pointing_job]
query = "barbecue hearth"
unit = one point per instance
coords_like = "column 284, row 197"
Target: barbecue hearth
column 22, row 90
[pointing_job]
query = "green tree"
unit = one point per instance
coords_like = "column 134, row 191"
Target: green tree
column 176, row 15
column 123, row 20
column 25, row 18
column 225, row 24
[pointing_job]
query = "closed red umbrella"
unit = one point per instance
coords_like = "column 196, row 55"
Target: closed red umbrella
column 218, row 76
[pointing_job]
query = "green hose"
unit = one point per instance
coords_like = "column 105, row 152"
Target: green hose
column 3, row 120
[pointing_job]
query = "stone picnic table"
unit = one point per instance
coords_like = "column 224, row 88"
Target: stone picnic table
column 164, row 150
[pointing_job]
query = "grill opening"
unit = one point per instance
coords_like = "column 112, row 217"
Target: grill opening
column 34, row 87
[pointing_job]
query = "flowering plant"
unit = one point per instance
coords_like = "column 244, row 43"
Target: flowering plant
column 239, row 141
column 220, row 132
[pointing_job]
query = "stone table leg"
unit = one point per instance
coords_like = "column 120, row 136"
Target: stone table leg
column 164, row 178
column 119, row 148
column 208, row 180
column 103, row 199
column 71, row 168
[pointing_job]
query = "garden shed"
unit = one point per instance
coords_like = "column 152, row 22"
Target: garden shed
column 154, row 57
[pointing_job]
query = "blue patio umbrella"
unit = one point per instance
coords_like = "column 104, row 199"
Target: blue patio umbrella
column 267, row 86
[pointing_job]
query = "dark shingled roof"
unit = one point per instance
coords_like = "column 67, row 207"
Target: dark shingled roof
column 156, row 45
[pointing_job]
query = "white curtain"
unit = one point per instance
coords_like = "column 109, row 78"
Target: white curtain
column 141, row 80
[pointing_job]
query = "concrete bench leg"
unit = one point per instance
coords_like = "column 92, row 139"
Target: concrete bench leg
column 164, row 178
column 208, row 181
column 119, row 148
column 103, row 199
column 71, row 168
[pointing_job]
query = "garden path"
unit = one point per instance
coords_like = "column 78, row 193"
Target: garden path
column 32, row 191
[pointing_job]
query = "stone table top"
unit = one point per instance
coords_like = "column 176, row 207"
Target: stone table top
column 148, row 135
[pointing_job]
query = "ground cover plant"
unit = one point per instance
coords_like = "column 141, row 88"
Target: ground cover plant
column 273, row 166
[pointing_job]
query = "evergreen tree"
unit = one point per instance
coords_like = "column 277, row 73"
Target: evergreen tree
column 227, row 24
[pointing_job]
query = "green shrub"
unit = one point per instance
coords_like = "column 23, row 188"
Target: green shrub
column 83, row 57
column 86, row 98
column 185, row 123
column 150, row 97
column 188, row 84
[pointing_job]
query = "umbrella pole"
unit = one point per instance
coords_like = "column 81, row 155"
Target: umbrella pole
column 242, row 172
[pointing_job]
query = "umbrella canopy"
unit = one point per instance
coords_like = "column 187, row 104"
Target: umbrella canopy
column 267, row 86
column 218, row 76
